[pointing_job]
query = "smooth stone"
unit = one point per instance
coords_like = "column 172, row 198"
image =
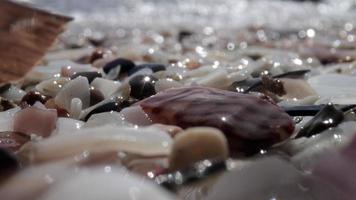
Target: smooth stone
column 142, row 86
column 196, row 144
column 77, row 88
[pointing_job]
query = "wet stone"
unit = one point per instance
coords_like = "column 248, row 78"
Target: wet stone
column 142, row 86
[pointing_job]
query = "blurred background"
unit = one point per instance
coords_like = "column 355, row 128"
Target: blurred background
column 217, row 13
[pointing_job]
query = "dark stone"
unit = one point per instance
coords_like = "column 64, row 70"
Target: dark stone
column 108, row 107
column 32, row 97
column 125, row 64
column 329, row 116
column 95, row 96
column 142, row 86
column 89, row 75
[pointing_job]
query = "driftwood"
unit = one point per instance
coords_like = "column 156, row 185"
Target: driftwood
column 26, row 34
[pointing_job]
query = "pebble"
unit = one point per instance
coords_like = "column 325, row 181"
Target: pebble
column 196, row 144
column 142, row 86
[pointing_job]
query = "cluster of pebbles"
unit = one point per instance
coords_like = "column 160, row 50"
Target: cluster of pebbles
column 254, row 113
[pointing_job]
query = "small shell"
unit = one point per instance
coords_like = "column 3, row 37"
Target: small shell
column 75, row 108
column 77, row 88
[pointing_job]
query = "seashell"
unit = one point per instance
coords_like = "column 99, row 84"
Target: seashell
column 196, row 144
column 6, row 119
column 35, row 120
column 236, row 115
column 12, row 141
column 164, row 84
column 75, row 108
column 105, row 86
column 31, row 182
column 106, row 118
column 77, row 88
column 112, row 184
column 52, row 86
column 217, row 79
column 297, row 89
column 135, row 115
column 67, row 125
column 109, row 138
column 170, row 129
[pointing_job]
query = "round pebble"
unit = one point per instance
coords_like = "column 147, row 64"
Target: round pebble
column 142, row 86
column 195, row 144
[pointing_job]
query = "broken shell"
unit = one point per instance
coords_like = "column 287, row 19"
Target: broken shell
column 52, row 86
column 77, row 88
